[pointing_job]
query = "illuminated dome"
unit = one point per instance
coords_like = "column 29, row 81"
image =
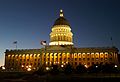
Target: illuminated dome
column 61, row 21
column 61, row 32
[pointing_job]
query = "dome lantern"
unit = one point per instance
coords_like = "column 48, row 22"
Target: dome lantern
column 61, row 13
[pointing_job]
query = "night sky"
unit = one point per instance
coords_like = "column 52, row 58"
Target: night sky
column 93, row 22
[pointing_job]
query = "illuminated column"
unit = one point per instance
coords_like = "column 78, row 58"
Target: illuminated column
column 74, row 59
column 103, row 58
column 77, row 59
column 49, row 60
column 71, row 58
column 62, row 57
column 68, row 54
column 57, row 58
column 53, row 58
column 42, row 58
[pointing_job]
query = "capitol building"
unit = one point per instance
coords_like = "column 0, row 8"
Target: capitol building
column 60, row 51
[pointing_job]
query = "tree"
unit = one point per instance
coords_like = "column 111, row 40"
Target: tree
column 54, row 69
column 80, row 69
column 40, row 71
column 68, row 69
column 95, row 68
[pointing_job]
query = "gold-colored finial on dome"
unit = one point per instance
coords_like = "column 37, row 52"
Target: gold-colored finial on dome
column 61, row 13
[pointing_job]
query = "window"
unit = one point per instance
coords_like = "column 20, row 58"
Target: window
column 101, row 63
column 83, row 58
column 88, row 63
column 105, row 58
column 48, row 59
column 88, row 58
column 60, row 59
column 75, row 59
column 101, row 58
column 44, row 59
column 68, row 58
column 92, row 63
column 79, row 59
column 92, row 58
column 96, row 58
column 110, row 59
column 48, row 63
column 75, row 63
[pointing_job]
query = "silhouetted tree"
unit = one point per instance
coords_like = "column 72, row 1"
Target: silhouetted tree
column 40, row 71
column 109, row 68
column 106, row 68
column 80, row 69
column 95, row 68
column 54, row 69
column 68, row 69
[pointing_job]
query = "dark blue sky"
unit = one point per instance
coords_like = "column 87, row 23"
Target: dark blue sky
column 93, row 22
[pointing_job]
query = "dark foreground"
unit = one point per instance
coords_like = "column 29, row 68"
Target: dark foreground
column 22, row 77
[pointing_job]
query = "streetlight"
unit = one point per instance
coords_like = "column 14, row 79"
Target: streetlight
column 3, row 68
column 62, row 65
column 96, row 66
column 29, row 69
column 86, row 66
column 115, row 66
column 47, row 68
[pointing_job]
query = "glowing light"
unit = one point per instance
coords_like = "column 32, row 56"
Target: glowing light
column 96, row 66
column 61, row 13
column 22, row 66
column 3, row 68
column 115, row 66
column 86, row 66
column 61, row 42
column 8, row 55
column 47, row 68
column 29, row 66
column 61, row 10
column 26, row 66
column 29, row 69
column 62, row 65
